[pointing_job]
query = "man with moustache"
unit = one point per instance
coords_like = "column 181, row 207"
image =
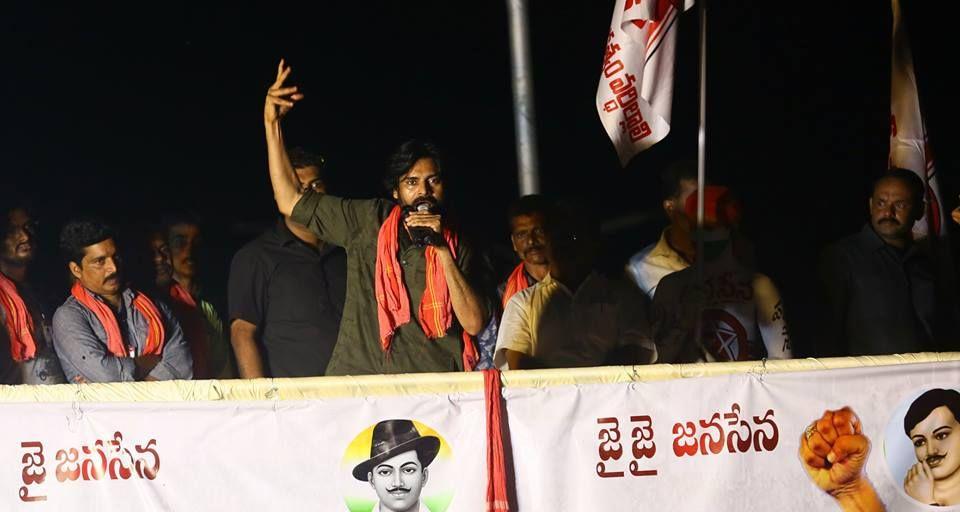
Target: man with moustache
column 397, row 468
column 527, row 217
column 574, row 317
column 932, row 425
column 162, row 274
column 739, row 311
column 886, row 293
column 25, row 321
column 106, row 332
column 410, row 306
column 197, row 315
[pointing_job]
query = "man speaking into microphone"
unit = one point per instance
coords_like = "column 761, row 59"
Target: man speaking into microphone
column 409, row 305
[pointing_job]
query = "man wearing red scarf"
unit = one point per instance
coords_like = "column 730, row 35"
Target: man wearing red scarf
column 25, row 330
column 409, row 305
column 527, row 216
column 198, row 317
column 106, row 332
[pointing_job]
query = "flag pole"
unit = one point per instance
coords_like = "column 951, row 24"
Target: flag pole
column 524, row 116
column 701, row 159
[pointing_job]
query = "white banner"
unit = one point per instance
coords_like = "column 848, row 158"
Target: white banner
column 718, row 436
column 635, row 94
column 723, row 443
column 256, row 456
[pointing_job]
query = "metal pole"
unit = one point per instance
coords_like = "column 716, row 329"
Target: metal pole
column 701, row 166
column 702, row 135
column 524, row 115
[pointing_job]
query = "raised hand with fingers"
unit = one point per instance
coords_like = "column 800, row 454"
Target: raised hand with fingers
column 833, row 451
column 280, row 99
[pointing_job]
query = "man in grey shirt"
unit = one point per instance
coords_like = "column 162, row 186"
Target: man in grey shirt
column 106, row 332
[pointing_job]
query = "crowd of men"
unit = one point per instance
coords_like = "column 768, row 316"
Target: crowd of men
column 390, row 285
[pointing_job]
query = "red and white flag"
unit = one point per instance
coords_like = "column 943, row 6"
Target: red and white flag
column 636, row 84
column 909, row 148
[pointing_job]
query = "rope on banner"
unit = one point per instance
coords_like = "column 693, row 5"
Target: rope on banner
column 368, row 386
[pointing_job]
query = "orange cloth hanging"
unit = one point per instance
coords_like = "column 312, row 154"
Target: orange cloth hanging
column 393, row 306
column 115, row 345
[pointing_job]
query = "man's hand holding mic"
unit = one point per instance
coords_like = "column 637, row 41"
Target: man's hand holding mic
column 425, row 224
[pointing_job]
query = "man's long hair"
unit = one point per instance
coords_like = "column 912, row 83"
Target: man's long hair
column 404, row 158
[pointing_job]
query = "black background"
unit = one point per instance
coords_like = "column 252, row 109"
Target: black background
column 126, row 112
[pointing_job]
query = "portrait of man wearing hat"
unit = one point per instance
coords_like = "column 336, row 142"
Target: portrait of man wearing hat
column 397, row 467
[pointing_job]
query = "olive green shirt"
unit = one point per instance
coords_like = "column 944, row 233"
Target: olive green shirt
column 354, row 225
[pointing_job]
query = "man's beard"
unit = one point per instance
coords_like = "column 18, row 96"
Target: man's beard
column 11, row 257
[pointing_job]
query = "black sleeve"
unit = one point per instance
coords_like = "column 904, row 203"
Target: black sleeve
column 247, row 287
column 834, row 280
column 670, row 334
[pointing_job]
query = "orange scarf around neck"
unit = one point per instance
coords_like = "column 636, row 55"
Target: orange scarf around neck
column 515, row 283
column 17, row 320
column 194, row 326
column 435, row 311
column 142, row 303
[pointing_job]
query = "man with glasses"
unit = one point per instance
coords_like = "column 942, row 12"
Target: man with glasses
column 27, row 351
column 286, row 293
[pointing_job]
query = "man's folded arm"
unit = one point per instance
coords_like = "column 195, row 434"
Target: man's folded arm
column 83, row 356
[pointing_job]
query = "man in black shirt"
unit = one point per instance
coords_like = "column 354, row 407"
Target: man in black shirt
column 286, row 294
column 886, row 293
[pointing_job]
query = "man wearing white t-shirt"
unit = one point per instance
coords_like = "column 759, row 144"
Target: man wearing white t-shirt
column 675, row 249
column 741, row 313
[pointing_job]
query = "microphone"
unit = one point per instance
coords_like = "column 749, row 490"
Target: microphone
column 423, row 236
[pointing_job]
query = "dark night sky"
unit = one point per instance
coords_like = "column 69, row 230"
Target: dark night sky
column 125, row 112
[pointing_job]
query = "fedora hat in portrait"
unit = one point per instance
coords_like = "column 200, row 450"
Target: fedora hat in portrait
column 393, row 437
